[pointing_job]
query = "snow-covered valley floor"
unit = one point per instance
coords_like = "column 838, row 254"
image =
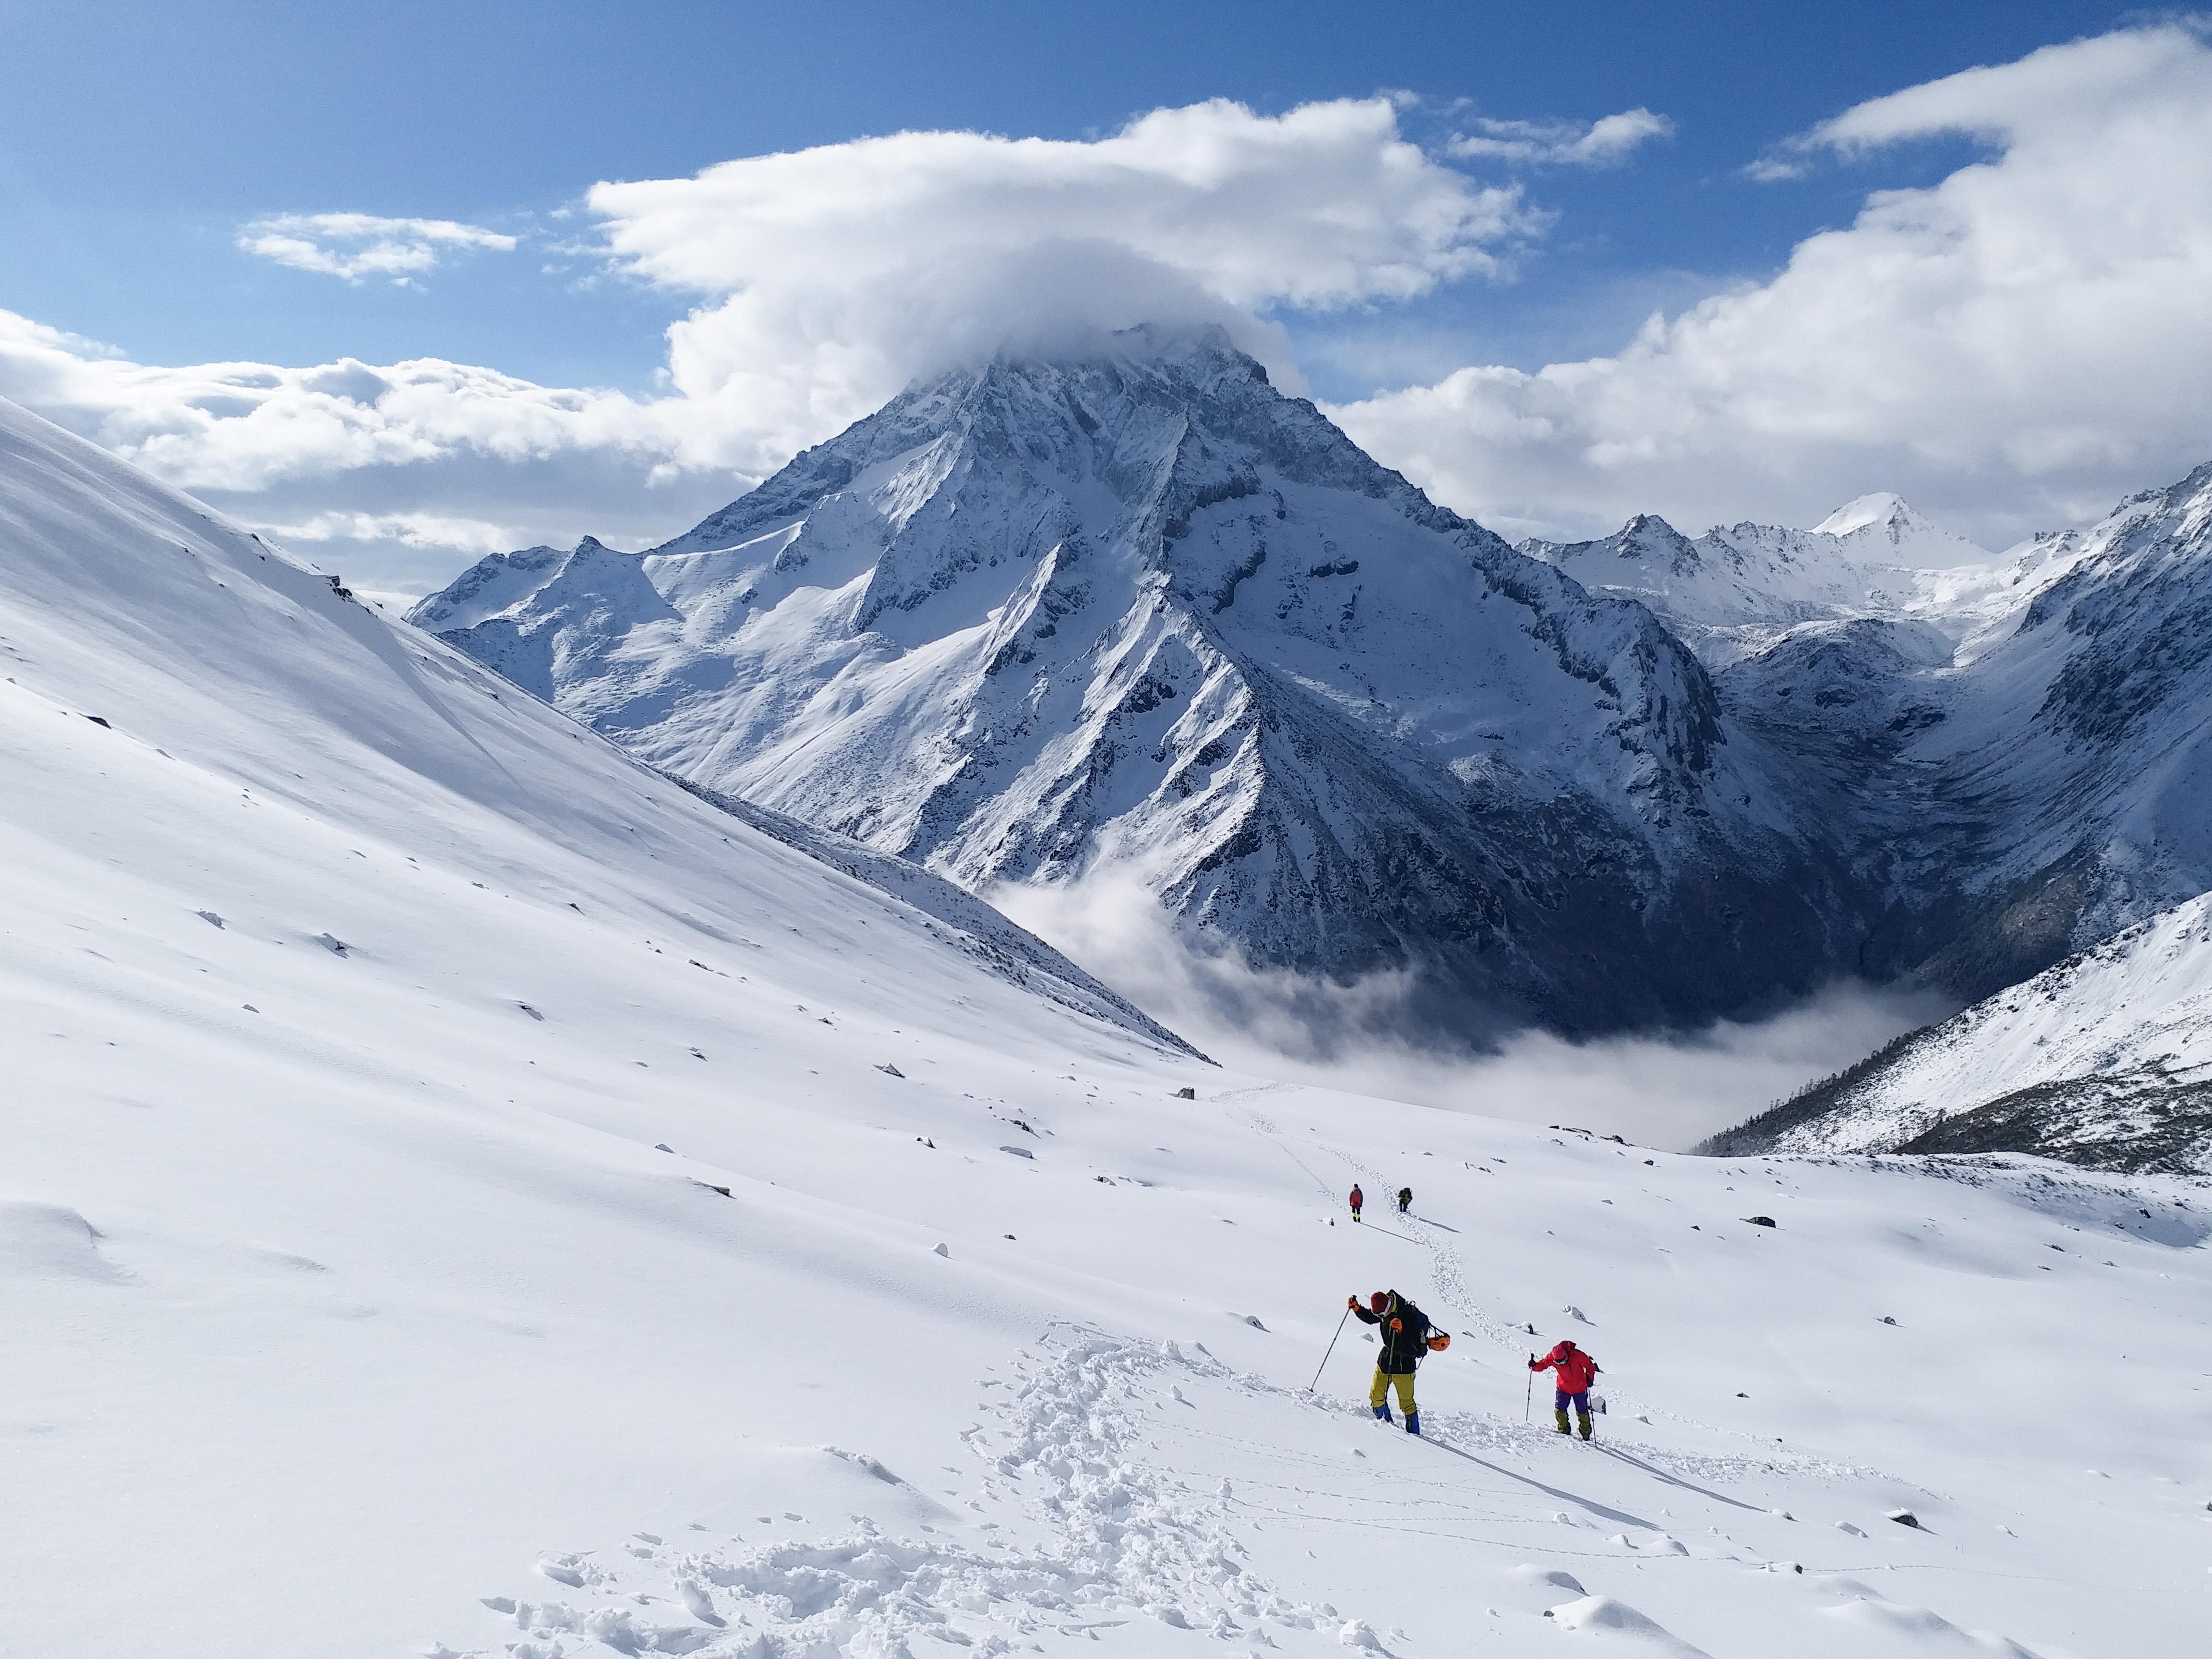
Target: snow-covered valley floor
column 463, row 1194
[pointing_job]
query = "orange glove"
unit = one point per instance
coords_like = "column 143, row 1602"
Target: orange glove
column 1397, row 1324
column 1352, row 1301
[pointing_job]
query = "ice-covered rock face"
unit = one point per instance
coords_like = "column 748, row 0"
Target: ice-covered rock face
column 1138, row 611
column 1141, row 610
column 2005, row 753
column 2086, row 723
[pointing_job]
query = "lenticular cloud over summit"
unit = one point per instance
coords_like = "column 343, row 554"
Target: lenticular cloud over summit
column 836, row 274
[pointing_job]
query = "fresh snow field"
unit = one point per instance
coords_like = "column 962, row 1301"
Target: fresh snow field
column 351, row 1307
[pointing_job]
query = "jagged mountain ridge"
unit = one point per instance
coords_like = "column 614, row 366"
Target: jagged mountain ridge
column 2063, row 772
column 1135, row 609
column 2082, row 742
column 2004, row 754
column 1737, row 589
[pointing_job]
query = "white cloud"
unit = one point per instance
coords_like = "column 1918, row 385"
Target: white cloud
column 2015, row 346
column 400, row 470
column 244, row 427
column 832, row 276
column 475, row 537
column 1603, row 143
column 354, row 246
column 822, row 282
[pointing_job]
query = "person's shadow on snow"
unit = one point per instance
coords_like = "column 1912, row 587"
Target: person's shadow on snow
column 1619, row 1518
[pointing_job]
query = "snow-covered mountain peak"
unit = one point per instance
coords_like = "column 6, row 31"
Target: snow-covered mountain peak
column 1881, row 507
column 1138, row 607
column 1884, row 528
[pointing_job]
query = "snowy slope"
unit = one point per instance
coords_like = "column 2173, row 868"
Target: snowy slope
column 2076, row 750
column 2105, row 1060
column 1134, row 610
column 352, row 1305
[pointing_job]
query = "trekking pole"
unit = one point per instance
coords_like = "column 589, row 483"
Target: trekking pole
column 1528, row 1395
column 1323, row 1366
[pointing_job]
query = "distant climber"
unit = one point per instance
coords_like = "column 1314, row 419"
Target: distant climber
column 1405, row 1200
column 1358, row 1199
column 1407, row 1337
column 1577, row 1370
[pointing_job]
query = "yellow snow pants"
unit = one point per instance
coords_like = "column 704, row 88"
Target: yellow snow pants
column 1381, row 1391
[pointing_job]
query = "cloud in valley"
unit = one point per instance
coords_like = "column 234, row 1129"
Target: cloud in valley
column 2013, row 349
column 358, row 246
column 1669, row 1089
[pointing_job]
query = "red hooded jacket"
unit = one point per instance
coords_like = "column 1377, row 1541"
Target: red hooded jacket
column 1577, row 1369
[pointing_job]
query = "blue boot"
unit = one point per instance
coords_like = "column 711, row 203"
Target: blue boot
column 1412, row 1422
column 1382, row 1414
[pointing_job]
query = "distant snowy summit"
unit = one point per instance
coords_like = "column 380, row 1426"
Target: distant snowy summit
column 1732, row 591
column 2064, row 774
column 1884, row 528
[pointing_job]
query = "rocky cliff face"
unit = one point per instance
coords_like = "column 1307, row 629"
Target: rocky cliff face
column 1139, row 610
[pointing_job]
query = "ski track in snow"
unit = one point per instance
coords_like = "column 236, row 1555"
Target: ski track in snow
column 1117, row 1537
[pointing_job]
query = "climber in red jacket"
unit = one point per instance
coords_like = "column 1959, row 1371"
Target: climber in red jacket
column 1576, row 1371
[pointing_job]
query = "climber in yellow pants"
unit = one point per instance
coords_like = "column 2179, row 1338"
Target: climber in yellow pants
column 1406, row 1336
column 1379, row 1395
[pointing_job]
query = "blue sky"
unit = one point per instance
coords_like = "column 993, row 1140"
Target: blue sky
column 137, row 141
column 134, row 139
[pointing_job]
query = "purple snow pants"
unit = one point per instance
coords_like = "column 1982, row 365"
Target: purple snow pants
column 1561, row 1400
